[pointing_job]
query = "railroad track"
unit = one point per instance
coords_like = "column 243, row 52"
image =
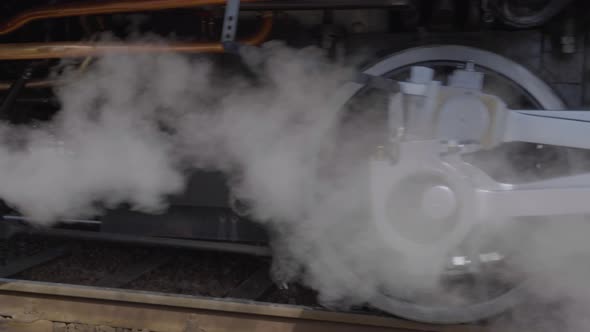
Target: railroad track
column 66, row 287
column 38, row 306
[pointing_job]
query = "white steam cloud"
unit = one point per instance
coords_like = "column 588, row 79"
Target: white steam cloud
column 132, row 125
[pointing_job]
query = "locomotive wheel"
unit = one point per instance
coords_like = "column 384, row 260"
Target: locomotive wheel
column 530, row 92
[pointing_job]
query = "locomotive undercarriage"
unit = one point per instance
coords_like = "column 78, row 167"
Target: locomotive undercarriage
column 460, row 83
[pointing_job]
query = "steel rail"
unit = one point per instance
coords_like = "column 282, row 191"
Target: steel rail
column 38, row 306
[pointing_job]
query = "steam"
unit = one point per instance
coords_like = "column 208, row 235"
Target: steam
column 132, row 126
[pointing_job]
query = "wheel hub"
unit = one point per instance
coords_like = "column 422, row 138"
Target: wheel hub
column 422, row 205
column 439, row 203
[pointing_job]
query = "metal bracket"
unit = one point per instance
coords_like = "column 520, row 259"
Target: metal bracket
column 230, row 26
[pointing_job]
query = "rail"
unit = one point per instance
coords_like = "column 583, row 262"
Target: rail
column 37, row 306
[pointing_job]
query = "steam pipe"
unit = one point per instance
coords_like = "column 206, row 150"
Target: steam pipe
column 126, row 6
column 257, row 39
column 96, row 8
column 56, row 50
column 323, row 4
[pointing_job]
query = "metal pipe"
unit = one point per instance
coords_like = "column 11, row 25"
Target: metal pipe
column 96, row 8
column 56, row 50
column 13, row 225
column 323, row 4
column 126, row 6
column 65, row 221
column 238, row 248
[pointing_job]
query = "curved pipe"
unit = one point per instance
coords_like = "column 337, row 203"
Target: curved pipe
column 104, row 7
column 55, row 50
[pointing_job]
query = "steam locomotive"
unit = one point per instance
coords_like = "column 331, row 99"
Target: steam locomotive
column 463, row 79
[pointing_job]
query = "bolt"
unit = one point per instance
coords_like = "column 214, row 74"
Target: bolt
column 439, row 202
column 380, row 153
